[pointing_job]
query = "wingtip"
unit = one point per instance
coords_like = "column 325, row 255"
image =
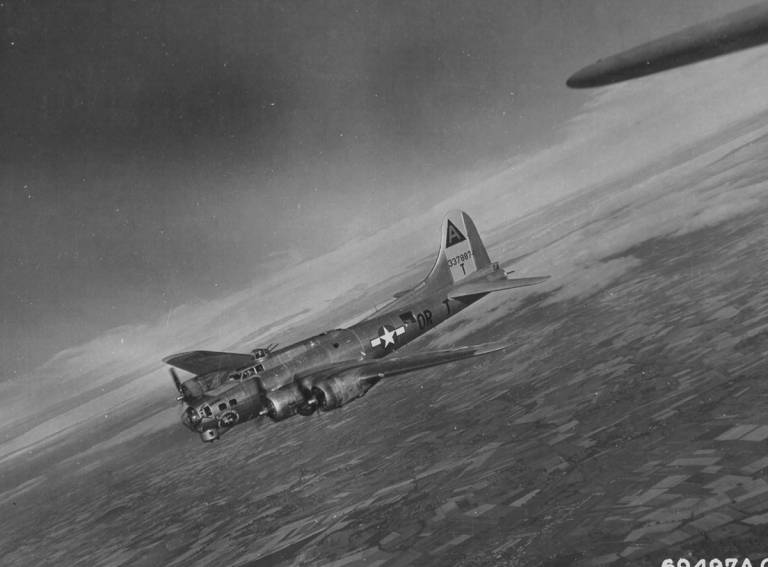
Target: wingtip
column 171, row 357
column 489, row 348
column 525, row 282
column 590, row 77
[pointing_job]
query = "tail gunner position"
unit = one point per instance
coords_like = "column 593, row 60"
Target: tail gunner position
column 326, row 371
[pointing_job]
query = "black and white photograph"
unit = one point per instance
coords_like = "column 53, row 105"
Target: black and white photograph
column 382, row 283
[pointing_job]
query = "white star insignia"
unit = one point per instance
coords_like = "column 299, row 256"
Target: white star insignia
column 388, row 337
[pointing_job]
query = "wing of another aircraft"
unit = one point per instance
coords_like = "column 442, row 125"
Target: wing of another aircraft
column 732, row 32
column 205, row 361
column 399, row 364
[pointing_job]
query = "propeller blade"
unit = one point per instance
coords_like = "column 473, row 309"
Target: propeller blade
column 177, row 383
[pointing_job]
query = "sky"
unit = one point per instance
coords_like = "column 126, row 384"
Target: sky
column 157, row 156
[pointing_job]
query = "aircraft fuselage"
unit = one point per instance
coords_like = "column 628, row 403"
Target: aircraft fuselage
column 269, row 386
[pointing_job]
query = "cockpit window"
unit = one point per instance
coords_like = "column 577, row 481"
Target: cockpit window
column 222, row 406
column 232, row 403
column 207, row 411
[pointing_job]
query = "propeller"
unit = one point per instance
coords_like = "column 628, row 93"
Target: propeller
column 177, row 383
column 189, row 416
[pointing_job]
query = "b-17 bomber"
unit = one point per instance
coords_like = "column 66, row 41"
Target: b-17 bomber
column 328, row 370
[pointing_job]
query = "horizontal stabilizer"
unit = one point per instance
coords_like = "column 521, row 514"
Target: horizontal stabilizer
column 401, row 363
column 478, row 287
column 205, row 361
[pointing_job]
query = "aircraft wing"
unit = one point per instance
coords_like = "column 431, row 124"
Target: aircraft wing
column 205, row 361
column 473, row 288
column 399, row 364
column 732, row 32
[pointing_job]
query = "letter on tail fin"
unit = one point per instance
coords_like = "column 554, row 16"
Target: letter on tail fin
column 461, row 251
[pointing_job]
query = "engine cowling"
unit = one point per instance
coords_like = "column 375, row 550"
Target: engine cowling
column 337, row 391
column 228, row 419
column 284, row 402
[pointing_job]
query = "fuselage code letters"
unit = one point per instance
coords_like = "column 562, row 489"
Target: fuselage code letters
column 424, row 318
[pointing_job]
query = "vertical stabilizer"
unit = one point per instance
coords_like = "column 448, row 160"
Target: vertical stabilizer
column 462, row 252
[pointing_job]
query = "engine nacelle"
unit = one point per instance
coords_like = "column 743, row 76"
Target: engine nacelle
column 284, row 402
column 337, row 391
column 228, row 419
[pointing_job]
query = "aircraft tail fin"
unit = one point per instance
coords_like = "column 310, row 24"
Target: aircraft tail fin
column 463, row 263
column 462, row 251
column 463, row 268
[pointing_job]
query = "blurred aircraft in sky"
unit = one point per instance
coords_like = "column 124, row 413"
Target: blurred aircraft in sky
column 326, row 371
column 732, row 32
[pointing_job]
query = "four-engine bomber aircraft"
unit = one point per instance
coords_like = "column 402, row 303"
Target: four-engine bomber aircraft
column 328, row 370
